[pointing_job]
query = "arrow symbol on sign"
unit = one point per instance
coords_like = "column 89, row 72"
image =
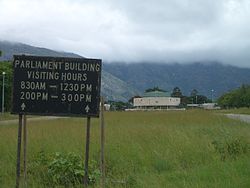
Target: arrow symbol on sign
column 87, row 108
column 23, row 106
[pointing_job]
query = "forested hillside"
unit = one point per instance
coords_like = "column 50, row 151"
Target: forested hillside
column 207, row 78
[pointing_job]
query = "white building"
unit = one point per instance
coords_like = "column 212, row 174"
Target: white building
column 210, row 106
column 156, row 100
column 107, row 107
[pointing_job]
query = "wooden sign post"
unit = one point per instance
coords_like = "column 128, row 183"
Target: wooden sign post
column 102, row 164
column 25, row 150
column 86, row 163
column 19, row 142
column 22, row 130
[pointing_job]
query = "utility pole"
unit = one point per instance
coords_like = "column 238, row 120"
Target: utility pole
column 212, row 91
column 3, row 94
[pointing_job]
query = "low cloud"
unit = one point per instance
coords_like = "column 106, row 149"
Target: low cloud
column 133, row 31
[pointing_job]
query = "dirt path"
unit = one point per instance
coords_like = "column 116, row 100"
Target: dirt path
column 241, row 117
column 13, row 121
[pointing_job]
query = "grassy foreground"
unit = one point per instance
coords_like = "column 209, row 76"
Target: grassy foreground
column 143, row 149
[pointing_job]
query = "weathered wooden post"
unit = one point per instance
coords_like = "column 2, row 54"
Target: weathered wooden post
column 25, row 150
column 86, row 163
column 19, row 143
column 102, row 164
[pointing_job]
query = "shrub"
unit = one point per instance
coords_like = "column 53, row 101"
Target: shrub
column 232, row 148
column 63, row 169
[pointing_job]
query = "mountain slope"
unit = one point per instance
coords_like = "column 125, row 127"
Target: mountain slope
column 112, row 88
column 11, row 48
column 204, row 77
column 116, row 89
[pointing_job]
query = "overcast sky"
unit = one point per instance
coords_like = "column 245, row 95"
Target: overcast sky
column 133, row 30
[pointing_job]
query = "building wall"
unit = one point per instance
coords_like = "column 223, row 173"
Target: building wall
column 156, row 101
column 107, row 107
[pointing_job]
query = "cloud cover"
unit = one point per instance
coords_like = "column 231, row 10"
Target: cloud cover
column 133, row 31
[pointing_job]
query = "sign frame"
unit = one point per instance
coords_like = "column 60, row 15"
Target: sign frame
column 18, row 105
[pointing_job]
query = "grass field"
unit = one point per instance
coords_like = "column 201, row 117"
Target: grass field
column 7, row 116
column 190, row 149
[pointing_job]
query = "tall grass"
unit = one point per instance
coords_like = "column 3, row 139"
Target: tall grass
column 7, row 116
column 142, row 149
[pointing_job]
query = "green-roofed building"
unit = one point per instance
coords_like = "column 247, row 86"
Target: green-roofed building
column 156, row 100
column 157, row 94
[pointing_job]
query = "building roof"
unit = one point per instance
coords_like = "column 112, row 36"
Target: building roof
column 156, row 94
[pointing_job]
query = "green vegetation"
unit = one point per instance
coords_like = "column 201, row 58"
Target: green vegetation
column 194, row 97
column 119, row 105
column 237, row 98
column 188, row 149
column 62, row 169
column 7, row 116
column 154, row 89
column 176, row 92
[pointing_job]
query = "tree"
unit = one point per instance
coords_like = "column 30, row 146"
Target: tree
column 197, row 99
column 194, row 93
column 0, row 53
column 202, row 99
column 194, row 97
column 154, row 89
column 236, row 98
column 131, row 100
column 176, row 92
